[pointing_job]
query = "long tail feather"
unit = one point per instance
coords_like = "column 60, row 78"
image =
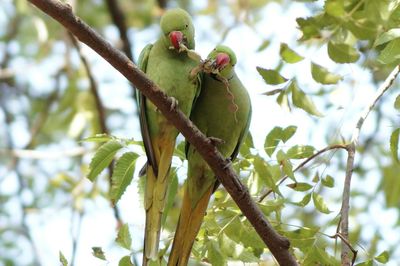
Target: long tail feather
column 189, row 224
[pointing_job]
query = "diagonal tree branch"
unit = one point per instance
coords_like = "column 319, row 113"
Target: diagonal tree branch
column 277, row 244
column 351, row 151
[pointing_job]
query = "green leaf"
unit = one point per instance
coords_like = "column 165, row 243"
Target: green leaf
column 214, row 254
column 285, row 164
column 323, row 76
column 391, row 52
column 309, row 28
column 262, row 169
column 270, row 76
column 300, row 151
column 366, row 263
column 125, row 261
column 288, row 132
column 397, row 102
column 299, row 186
column 124, row 237
column 63, row 260
column 263, row 45
column 103, row 157
column 335, row 8
column 394, row 144
column 98, row 253
column 272, row 140
column 288, row 55
column 122, row 176
column 342, row 53
column 99, row 138
column 383, row 257
column 328, row 181
column 320, row 203
column 387, row 36
column 301, row 100
column 306, row 199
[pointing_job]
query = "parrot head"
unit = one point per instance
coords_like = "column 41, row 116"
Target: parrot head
column 177, row 29
column 222, row 59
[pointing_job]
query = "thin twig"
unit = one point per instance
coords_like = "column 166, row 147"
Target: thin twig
column 351, row 150
column 302, row 164
column 277, row 244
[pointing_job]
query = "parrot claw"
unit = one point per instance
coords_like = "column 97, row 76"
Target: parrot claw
column 174, row 104
column 228, row 163
column 216, row 141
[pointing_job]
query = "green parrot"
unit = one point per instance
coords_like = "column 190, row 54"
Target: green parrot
column 166, row 62
column 222, row 112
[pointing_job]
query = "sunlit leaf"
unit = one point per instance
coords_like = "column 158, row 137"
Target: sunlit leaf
column 272, row 140
column 387, row 36
column 102, row 158
column 125, row 261
column 323, row 76
column 124, row 237
column 394, row 144
column 299, row 186
column 391, row 52
column 271, row 76
column 99, row 138
column 342, row 53
column 98, row 253
column 288, row 132
column 289, row 55
column 263, row 45
column 300, row 151
column 214, row 254
column 366, row 263
column 123, row 174
column 306, row 199
column 328, row 181
column 301, row 100
column 63, row 260
column 335, row 8
column 286, row 165
column 319, row 203
column 383, row 257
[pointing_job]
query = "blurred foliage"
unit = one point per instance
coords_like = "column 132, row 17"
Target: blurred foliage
column 50, row 126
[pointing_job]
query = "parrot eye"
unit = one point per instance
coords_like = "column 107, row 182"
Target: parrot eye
column 186, row 25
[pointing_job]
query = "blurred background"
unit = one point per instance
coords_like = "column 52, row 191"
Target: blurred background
column 55, row 92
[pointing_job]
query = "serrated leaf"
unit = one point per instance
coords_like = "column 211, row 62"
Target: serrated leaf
column 214, row 254
column 383, row 257
column 319, row 203
column 288, row 132
column 335, row 8
column 394, row 144
column 99, row 138
column 263, row 45
column 271, row 76
column 323, row 76
column 286, row 165
column 299, row 186
column 272, row 140
column 391, row 52
column 342, row 53
column 397, row 102
column 102, row 158
column 328, row 181
column 125, row 261
column 122, row 176
column 63, row 260
column 387, row 36
column 124, row 237
column 300, row 151
column 98, row 253
column 289, row 55
column 306, row 199
column 301, row 100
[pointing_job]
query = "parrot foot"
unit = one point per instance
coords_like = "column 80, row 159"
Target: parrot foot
column 228, row 163
column 216, row 141
column 174, row 104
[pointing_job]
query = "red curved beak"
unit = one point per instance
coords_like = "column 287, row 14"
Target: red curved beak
column 176, row 38
column 221, row 60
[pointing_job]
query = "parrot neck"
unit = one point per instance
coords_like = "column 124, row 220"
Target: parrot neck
column 227, row 76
